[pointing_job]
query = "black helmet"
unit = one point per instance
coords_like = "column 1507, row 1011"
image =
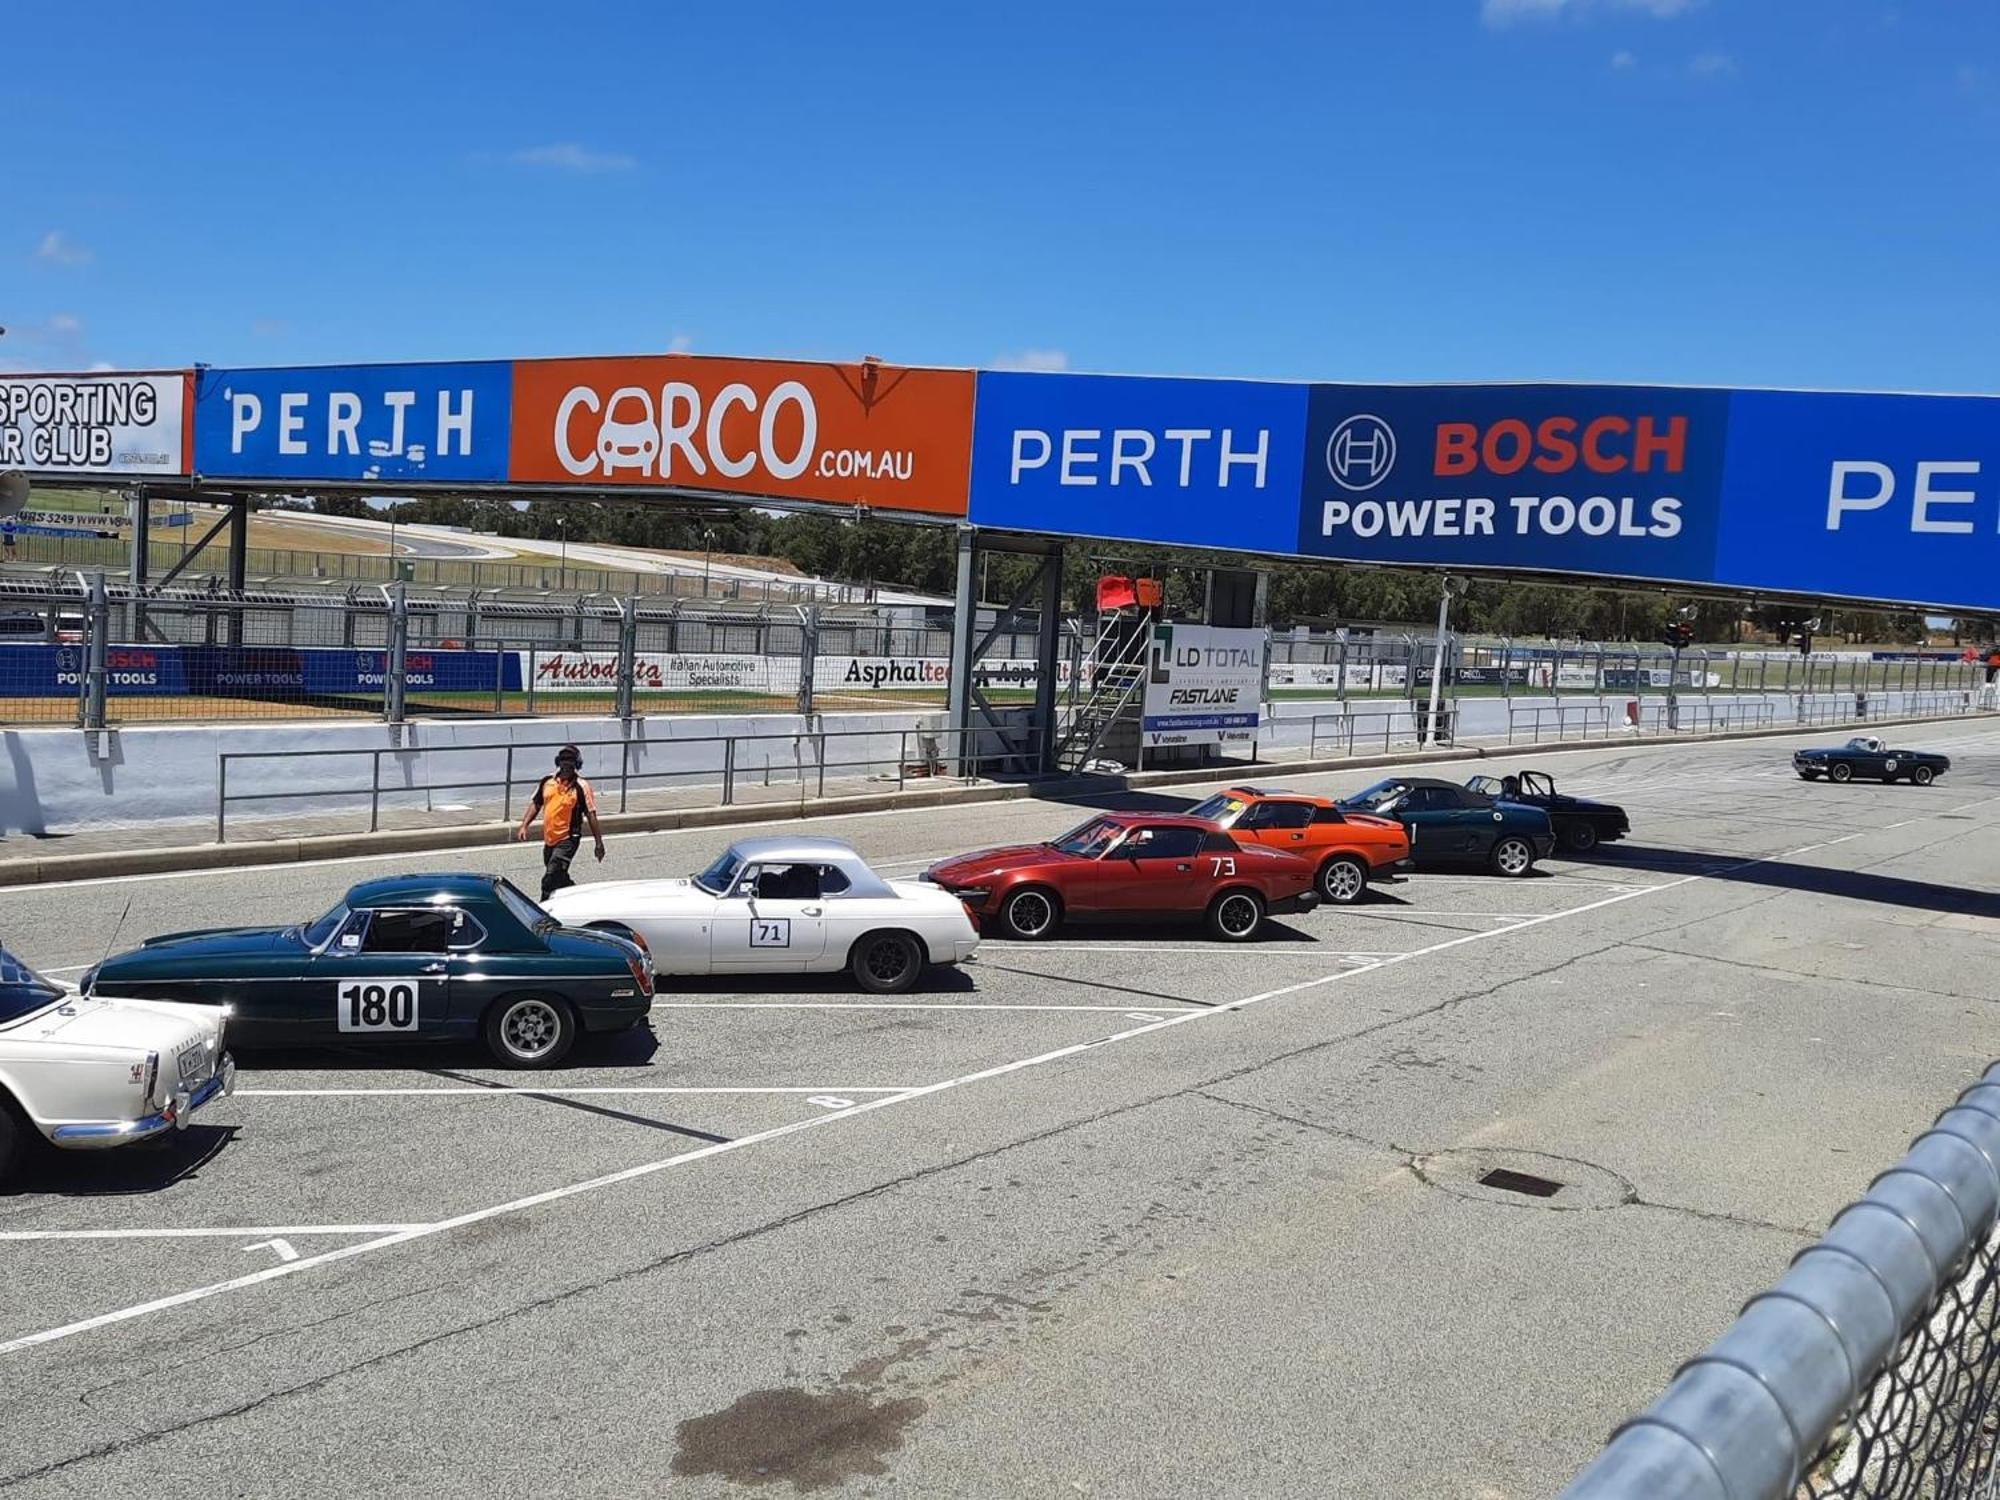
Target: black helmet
column 569, row 755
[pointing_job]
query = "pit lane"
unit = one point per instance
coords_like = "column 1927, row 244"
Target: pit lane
column 334, row 1153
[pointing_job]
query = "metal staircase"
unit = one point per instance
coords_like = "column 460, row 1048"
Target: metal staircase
column 1116, row 672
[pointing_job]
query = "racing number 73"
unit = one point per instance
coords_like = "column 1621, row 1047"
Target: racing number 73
column 378, row 1005
column 1222, row 864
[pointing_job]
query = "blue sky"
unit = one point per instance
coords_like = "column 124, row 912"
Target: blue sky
column 1797, row 192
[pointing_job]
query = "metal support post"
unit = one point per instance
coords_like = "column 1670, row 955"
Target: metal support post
column 808, row 654
column 964, row 628
column 395, row 664
column 139, row 564
column 1430, row 726
column 239, row 544
column 98, row 633
column 1046, row 640
column 628, row 654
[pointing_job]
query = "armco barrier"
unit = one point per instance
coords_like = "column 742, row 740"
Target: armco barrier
column 1867, row 1370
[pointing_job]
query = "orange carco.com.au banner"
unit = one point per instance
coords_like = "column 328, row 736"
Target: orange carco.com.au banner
column 878, row 435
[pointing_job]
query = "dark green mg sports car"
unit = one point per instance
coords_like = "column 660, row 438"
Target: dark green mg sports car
column 402, row 959
column 1866, row 758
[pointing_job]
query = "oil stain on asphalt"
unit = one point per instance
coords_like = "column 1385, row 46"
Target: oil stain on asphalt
column 811, row 1439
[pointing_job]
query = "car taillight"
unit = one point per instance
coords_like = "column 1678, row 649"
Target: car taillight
column 643, row 973
column 152, row 1075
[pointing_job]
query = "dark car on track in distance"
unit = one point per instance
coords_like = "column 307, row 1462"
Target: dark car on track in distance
column 1866, row 758
column 1580, row 823
column 1130, row 865
column 405, row 958
column 1451, row 824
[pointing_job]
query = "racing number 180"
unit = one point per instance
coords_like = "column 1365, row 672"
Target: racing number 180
column 385, row 1005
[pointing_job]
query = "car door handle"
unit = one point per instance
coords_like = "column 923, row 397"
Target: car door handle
column 1183, row 867
column 809, row 911
column 437, row 968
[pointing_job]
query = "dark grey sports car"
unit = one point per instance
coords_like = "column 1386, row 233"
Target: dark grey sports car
column 1581, row 824
column 1867, row 758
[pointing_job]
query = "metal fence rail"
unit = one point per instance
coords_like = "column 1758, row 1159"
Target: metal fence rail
column 504, row 771
column 1344, row 733
column 1870, row 1368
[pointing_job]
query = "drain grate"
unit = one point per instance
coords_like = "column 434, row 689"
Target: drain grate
column 1524, row 1183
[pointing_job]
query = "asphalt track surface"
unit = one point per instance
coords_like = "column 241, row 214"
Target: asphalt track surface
column 1125, row 1214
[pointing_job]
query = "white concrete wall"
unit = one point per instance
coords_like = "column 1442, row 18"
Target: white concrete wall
column 64, row 779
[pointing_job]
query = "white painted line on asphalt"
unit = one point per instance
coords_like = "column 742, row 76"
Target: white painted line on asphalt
column 503, row 1090
column 852, row 1005
column 268, row 1231
column 818, row 1122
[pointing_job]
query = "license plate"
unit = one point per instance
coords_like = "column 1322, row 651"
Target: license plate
column 193, row 1062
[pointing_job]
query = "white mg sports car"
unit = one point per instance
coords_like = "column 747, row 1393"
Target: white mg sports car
column 782, row 905
column 86, row 1073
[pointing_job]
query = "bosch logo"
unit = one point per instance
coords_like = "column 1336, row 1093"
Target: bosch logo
column 1361, row 452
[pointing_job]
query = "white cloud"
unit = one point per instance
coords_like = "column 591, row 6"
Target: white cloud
column 101, row 366
column 1507, row 12
column 59, row 249
column 1713, row 65
column 1033, row 359
column 269, row 328
column 65, row 323
column 567, row 156
column 1623, row 60
column 680, row 343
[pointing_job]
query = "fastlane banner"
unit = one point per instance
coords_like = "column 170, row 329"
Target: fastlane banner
column 1619, row 481
column 117, row 423
column 1211, row 463
column 878, row 435
column 411, row 424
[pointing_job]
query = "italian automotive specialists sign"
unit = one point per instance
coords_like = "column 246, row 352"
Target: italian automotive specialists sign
column 441, row 423
column 94, row 424
column 1204, row 685
column 1206, row 462
column 1618, row 481
column 870, row 434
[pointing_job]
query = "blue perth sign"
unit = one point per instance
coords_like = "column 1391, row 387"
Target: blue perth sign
column 1139, row 458
column 1889, row 499
column 438, row 423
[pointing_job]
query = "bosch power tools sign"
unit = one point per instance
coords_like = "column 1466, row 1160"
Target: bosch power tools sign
column 1610, row 480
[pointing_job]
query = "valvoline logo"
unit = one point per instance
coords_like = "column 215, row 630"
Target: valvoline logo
column 1609, row 479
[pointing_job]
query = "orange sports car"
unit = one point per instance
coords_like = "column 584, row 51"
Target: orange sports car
column 1349, row 848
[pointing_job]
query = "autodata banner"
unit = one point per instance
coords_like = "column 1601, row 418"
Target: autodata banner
column 441, row 423
column 1205, row 462
column 95, row 424
column 878, row 435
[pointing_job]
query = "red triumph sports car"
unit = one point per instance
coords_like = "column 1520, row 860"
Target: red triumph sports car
column 1130, row 865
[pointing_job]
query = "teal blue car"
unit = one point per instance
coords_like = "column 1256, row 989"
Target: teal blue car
column 408, row 958
column 1453, row 825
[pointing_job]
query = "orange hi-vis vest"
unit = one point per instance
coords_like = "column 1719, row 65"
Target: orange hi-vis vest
column 559, row 802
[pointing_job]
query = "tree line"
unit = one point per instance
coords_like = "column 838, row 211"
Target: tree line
column 924, row 558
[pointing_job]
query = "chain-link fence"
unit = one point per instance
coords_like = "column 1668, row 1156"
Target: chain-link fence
column 1869, row 1371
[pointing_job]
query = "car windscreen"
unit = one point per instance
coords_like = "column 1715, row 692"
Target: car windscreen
column 1221, row 808
column 1860, row 744
column 1378, row 798
column 317, row 933
column 720, row 878
column 1486, row 786
column 1090, row 840
column 22, row 990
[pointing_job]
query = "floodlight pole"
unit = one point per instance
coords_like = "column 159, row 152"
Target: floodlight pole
column 1451, row 586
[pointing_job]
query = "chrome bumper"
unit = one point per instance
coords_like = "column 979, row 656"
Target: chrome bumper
column 88, row 1135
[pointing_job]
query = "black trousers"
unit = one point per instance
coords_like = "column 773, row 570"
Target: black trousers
column 555, row 864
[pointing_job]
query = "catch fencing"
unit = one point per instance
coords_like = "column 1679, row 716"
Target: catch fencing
column 1869, row 1371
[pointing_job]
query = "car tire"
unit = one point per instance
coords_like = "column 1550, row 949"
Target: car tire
column 886, row 963
column 1580, row 837
column 1512, row 857
column 1031, row 913
column 1923, row 775
column 13, row 1141
column 1236, row 916
column 1841, row 773
column 529, row 1031
column 1343, row 880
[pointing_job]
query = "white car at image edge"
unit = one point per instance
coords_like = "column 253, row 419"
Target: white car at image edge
column 89, row 1073
column 782, row 906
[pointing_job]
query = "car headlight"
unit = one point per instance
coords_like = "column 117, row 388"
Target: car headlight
column 973, row 895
